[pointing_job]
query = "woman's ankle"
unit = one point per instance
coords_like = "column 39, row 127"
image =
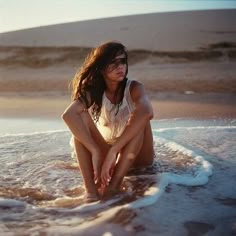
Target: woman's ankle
column 91, row 192
column 109, row 192
column 91, row 197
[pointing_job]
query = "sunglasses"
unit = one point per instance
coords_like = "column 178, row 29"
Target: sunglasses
column 116, row 62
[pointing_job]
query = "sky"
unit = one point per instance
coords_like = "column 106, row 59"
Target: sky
column 22, row 14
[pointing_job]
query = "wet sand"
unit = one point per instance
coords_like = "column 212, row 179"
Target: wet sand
column 165, row 106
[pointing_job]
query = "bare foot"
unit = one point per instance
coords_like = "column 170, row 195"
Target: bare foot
column 109, row 193
column 90, row 197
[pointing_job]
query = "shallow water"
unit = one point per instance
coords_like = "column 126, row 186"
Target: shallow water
column 41, row 188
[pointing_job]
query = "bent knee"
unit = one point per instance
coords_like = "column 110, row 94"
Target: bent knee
column 131, row 156
column 142, row 161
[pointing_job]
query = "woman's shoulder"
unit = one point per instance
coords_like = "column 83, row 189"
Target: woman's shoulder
column 136, row 88
column 135, row 85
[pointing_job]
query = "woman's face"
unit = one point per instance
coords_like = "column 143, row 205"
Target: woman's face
column 116, row 69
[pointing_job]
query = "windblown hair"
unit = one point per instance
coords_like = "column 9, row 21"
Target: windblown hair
column 88, row 84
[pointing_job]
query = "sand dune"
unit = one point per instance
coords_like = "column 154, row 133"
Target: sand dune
column 184, row 59
column 173, row 31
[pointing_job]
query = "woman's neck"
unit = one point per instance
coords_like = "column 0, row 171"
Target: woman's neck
column 111, row 87
column 111, row 92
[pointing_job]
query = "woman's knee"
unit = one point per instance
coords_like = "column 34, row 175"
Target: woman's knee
column 142, row 161
column 132, row 149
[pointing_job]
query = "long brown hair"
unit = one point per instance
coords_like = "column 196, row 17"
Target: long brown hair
column 88, row 85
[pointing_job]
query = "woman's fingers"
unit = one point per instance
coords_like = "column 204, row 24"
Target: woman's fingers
column 96, row 168
column 95, row 176
column 107, row 168
column 105, row 176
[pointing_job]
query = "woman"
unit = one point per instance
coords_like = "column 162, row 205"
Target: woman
column 109, row 118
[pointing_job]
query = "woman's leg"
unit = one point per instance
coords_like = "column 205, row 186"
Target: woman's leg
column 84, row 156
column 86, row 169
column 138, row 152
column 146, row 154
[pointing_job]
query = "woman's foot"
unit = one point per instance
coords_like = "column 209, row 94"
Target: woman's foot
column 91, row 197
column 109, row 193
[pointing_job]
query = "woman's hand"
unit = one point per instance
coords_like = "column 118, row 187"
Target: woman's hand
column 98, row 156
column 108, row 166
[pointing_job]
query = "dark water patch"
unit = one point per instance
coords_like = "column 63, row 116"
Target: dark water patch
column 168, row 189
column 195, row 228
column 139, row 228
column 227, row 201
column 12, row 206
column 193, row 189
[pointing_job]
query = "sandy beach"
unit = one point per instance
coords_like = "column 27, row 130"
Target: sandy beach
column 178, row 85
column 189, row 73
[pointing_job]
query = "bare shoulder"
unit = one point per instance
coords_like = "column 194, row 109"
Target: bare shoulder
column 140, row 98
column 137, row 90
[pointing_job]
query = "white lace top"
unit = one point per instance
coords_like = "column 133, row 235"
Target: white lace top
column 110, row 124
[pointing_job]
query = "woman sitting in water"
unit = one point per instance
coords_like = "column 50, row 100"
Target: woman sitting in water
column 109, row 118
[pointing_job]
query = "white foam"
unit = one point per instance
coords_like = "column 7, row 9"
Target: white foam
column 153, row 193
column 41, row 173
column 162, row 180
column 159, row 130
column 33, row 133
column 85, row 208
column 201, row 175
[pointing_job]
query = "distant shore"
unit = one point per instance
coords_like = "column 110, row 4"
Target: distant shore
column 34, row 81
column 165, row 106
column 187, row 71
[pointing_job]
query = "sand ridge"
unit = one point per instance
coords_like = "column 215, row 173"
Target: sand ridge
column 166, row 31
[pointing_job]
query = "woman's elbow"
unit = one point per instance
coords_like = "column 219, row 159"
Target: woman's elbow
column 67, row 115
column 72, row 111
column 150, row 115
column 147, row 115
column 64, row 116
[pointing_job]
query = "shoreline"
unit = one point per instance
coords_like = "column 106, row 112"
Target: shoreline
column 165, row 105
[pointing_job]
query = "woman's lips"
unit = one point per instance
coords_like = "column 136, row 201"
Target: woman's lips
column 120, row 74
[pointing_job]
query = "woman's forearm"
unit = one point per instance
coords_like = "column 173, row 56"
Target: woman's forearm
column 73, row 118
column 139, row 118
column 137, row 122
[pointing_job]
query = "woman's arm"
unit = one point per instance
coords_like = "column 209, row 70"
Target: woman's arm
column 75, row 116
column 142, row 114
column 77, row 126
